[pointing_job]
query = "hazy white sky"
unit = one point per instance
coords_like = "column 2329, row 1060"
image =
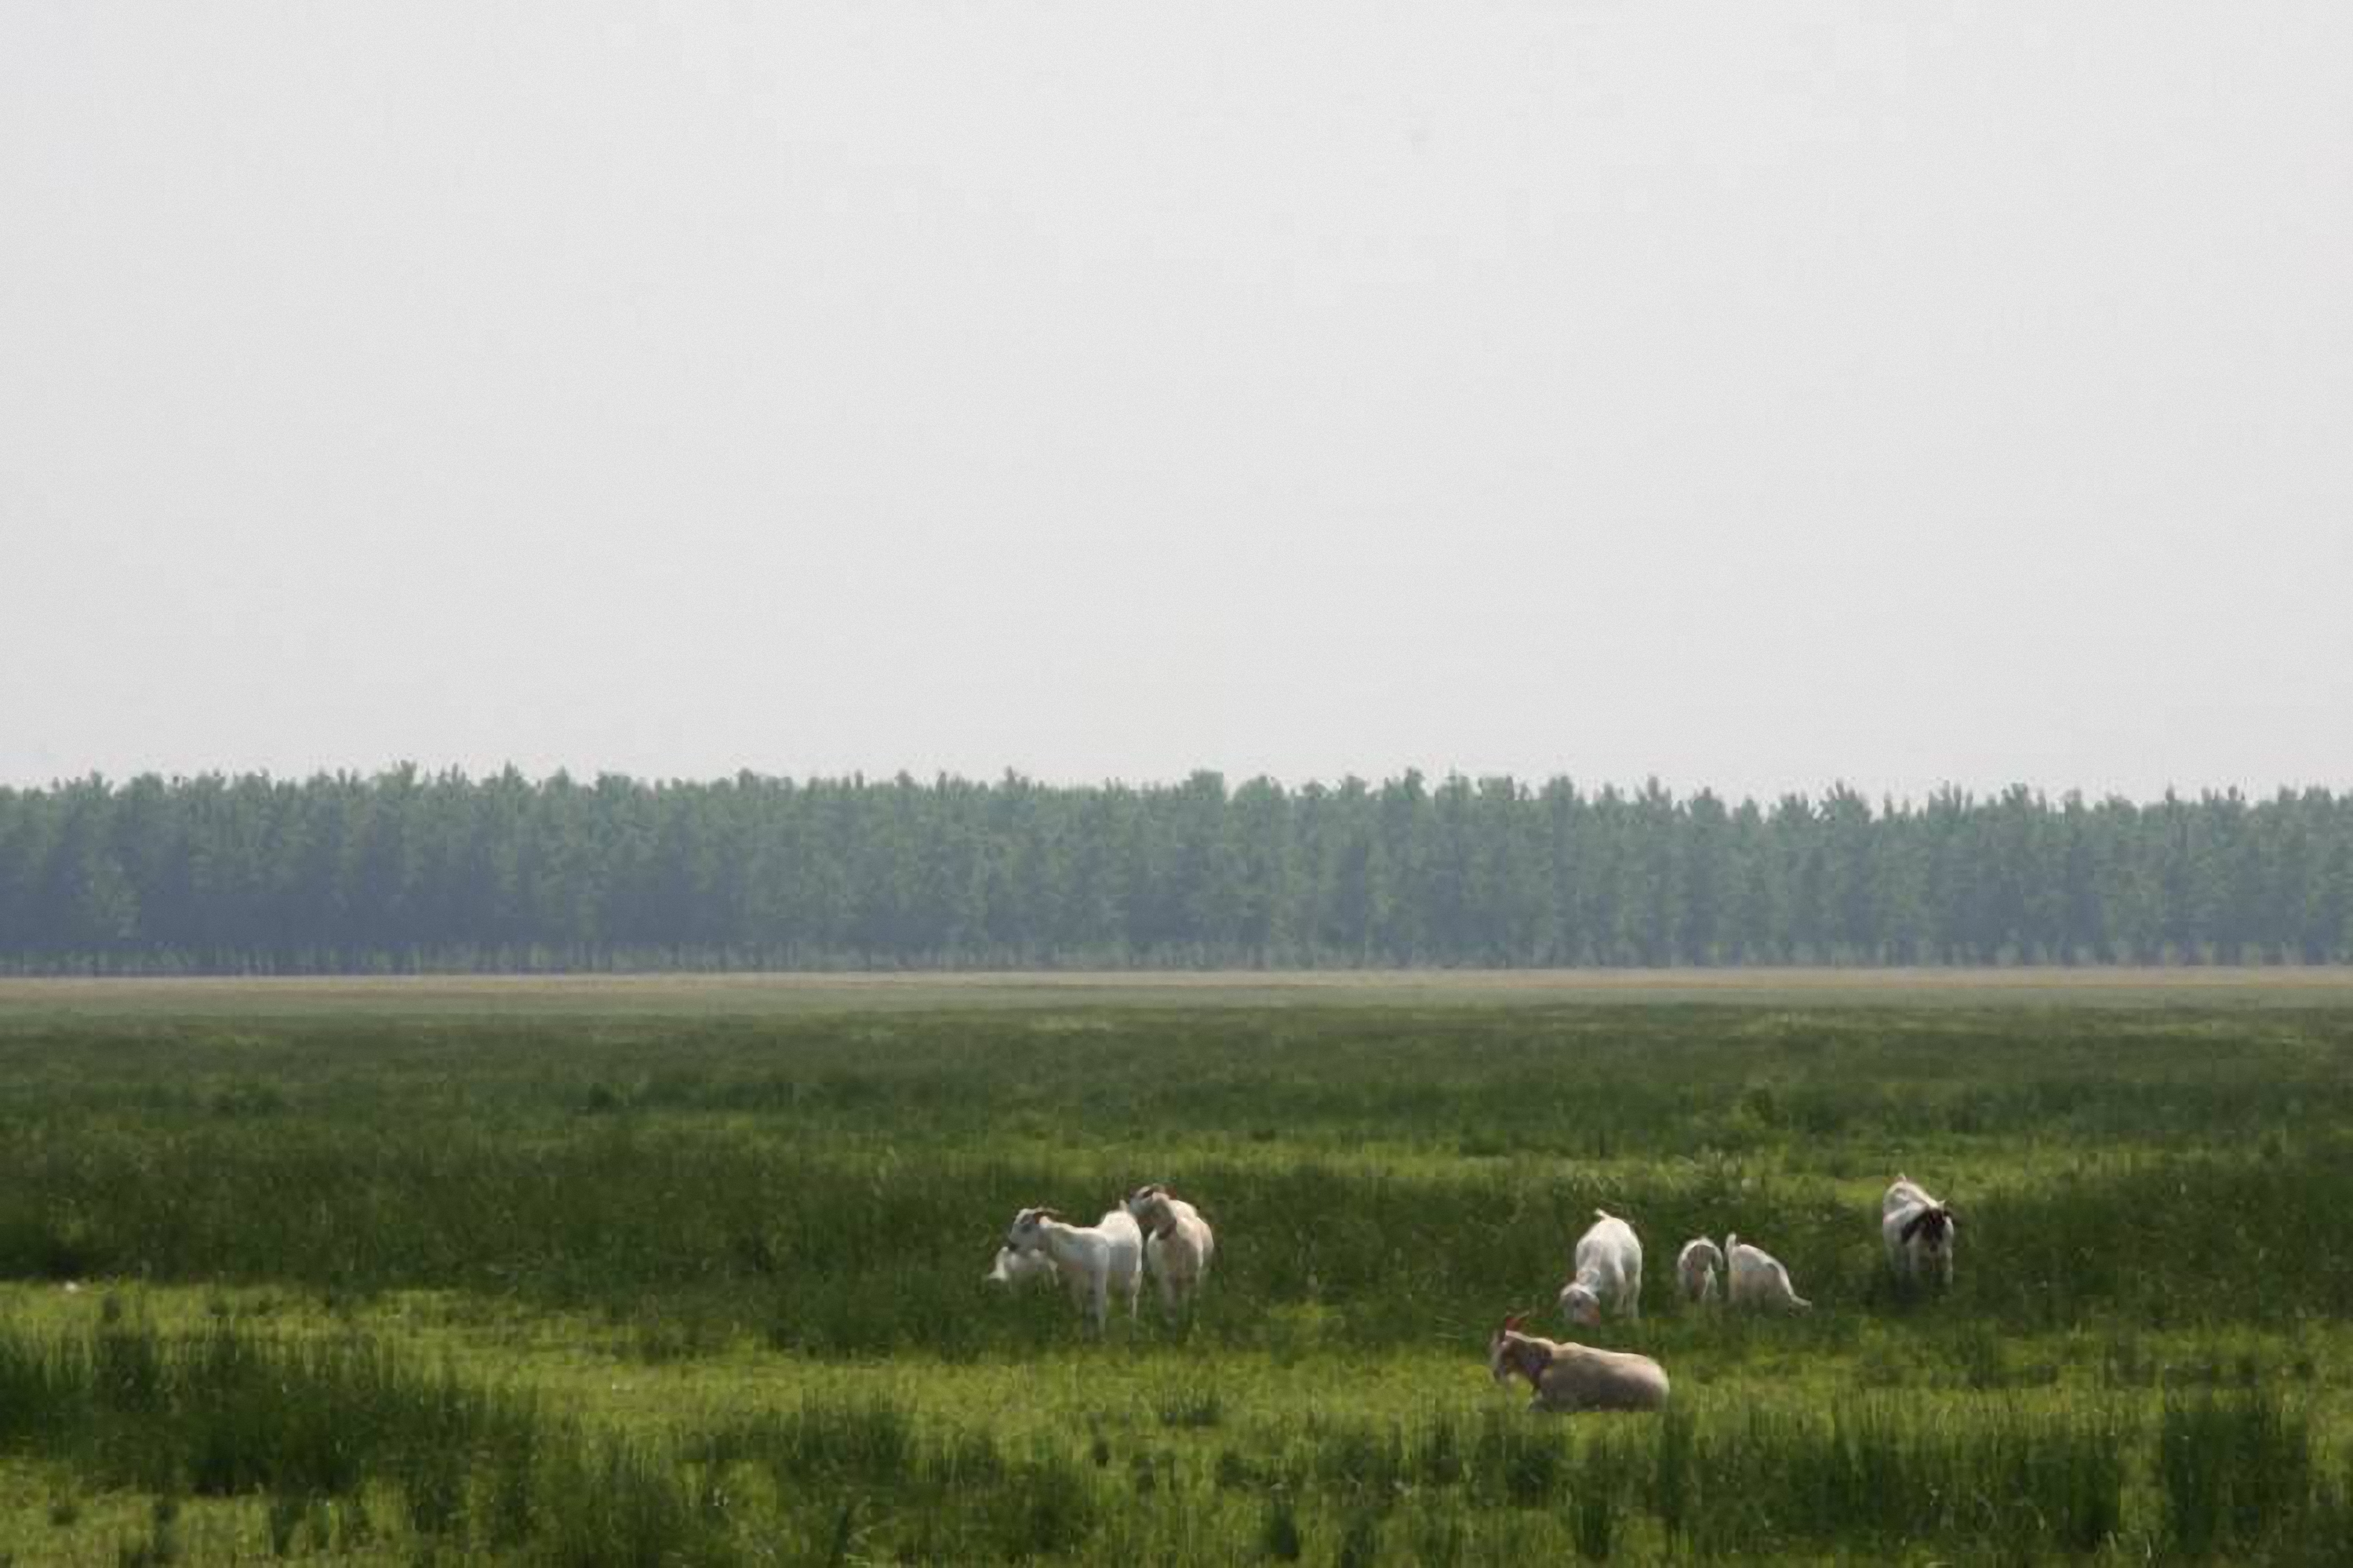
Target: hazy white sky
column 1750, row 395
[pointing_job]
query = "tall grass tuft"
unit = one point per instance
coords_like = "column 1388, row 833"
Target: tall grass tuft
column 951, row 1495
column 1278, row 1531
column 1792, row 1476
column 227, row 1413
column 1881, row 1471
column 2234, row 1468
column 617, row 1505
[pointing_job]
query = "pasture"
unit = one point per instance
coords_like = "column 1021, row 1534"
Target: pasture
column 684, row 1271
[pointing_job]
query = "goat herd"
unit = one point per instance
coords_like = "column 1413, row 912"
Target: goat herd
column 1155, row 1232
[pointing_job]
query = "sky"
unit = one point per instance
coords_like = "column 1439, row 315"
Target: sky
column 1749, row 397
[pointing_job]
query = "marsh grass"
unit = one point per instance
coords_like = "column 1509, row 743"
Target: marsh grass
column 722, row 1177
column 1733, row 1481
column 953, row 1495
column 2235, row 1470
column 306, row 1422
column 815, row 1199
column 346, row 1441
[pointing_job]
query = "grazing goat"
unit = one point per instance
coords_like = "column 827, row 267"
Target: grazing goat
column 1756, row 1278
column 1093, row 1260
column 1015, row 1268
column 1608, row 1273
column 1177, row 1244
column 1918, row 1230
column 1697, row 1268
column 1572, row 1377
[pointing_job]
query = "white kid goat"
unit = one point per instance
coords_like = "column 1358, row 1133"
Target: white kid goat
column 1756, row 1278
column 1608, row 1273
column 1093, row 1260
column 1698, row 1269
column 1015, row 1268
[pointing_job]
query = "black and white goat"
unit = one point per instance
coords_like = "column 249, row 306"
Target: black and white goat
column 1920, row 1231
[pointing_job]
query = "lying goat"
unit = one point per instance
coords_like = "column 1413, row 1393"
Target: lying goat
column 1918, row 1230
column 1177, row 1244
column 1570, row 1377
column 1608, row 1273
column 1758, row 1279
column 1093, row 1260
column 1014, row 1269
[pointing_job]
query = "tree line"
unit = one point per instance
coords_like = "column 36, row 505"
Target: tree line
column 409, row 870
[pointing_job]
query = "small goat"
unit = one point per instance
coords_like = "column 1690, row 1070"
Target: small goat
column 1177, row 1244
column 1756, row 1278
column 1093, row 1260
column 1697, row 1269
column 1920, row 1231
column 1608, row 1273
column 1572, row 1377
column 1015, row 1268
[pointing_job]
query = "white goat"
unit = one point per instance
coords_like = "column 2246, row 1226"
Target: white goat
column 1177, row 1244
column 1093, row 1260
column 1920, row 1231
column 1572, row 1377
column 1608, row 1273
column 1697, row 1269
column 1015, row 1268
column 1756, row 1278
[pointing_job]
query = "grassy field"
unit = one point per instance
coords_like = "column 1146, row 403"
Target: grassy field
column 682, row 1271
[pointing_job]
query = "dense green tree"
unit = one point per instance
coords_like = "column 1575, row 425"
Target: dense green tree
column 406, row 870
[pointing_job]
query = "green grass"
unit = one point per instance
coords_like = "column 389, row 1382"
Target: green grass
column 703, row 1284
column 324, row 1426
